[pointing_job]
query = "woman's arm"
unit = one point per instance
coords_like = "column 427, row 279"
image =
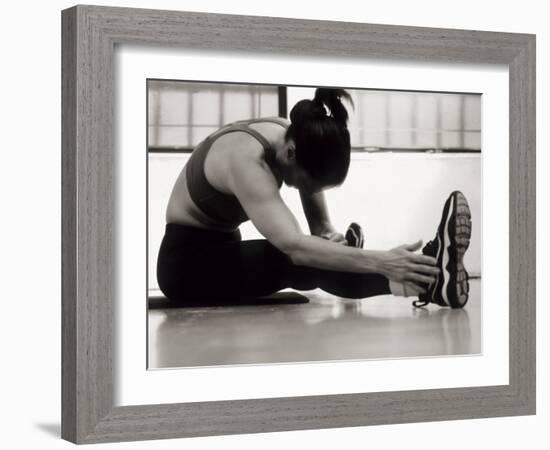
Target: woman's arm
column 256, row 188
column 316, row 212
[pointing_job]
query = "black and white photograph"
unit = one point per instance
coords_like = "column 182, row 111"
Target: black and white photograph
column 295, row 224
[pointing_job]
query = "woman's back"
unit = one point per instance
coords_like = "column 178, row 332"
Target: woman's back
column 201, row 196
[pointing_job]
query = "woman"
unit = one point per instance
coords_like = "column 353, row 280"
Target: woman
column 235, row 175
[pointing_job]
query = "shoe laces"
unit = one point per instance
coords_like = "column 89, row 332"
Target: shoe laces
column 420, row 303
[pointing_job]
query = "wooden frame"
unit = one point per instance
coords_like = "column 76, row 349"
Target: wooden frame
column 89, row 36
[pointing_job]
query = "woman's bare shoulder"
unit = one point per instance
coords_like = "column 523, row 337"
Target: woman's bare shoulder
column 249, row 163
column 248, row 150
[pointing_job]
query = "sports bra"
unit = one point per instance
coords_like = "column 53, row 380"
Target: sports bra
column 222, row 207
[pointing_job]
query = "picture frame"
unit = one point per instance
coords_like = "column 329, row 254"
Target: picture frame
column 89, row 37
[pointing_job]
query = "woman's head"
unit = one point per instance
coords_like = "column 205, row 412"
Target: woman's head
column 320, row 139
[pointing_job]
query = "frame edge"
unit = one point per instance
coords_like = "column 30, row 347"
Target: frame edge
column 87, row 419
column 522, row 283
column 69, row 334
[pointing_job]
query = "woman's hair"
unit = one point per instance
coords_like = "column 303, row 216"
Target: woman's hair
column 320, row 131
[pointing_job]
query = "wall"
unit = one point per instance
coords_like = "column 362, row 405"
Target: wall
column 31, row 234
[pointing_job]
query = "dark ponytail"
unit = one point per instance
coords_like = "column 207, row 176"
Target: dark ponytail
column 320, row 132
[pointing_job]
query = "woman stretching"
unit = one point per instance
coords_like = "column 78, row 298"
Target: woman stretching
column 235, row 174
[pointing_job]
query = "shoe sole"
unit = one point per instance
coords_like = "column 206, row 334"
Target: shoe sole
column 452, row 286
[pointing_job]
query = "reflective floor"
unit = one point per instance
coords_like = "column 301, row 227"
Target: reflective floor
column 325, row 328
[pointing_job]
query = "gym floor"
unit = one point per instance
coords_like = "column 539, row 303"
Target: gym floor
column 325, row 328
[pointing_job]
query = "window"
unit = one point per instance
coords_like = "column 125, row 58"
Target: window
column 385, row 120
column 409, row 121
column 181, row 114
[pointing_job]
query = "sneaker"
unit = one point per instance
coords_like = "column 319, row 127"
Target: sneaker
column 451, row 287
column 354, row 235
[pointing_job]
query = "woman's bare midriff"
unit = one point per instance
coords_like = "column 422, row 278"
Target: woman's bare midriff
column 181, row 208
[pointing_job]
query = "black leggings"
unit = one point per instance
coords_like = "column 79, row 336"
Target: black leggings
column 196, row 264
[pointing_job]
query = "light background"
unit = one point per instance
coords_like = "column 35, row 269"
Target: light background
column 30, row 229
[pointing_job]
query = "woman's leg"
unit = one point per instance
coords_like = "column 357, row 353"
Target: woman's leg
column 253, row 268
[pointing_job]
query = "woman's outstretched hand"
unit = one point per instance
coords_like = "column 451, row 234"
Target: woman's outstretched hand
column 403, row 265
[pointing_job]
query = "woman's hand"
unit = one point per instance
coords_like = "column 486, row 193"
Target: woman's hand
column 403, row 265
column 334, row 236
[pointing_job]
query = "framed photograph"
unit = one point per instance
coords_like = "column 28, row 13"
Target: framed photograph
column 366, row 210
